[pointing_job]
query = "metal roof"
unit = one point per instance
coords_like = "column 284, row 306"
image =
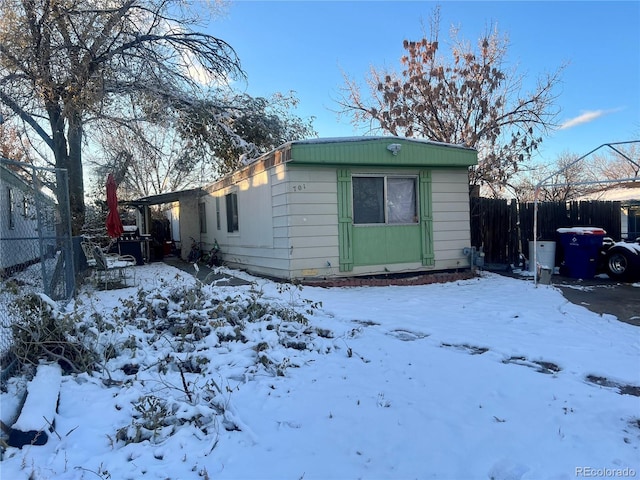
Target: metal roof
column 169, row 197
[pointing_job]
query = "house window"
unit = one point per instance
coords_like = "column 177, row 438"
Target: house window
column 232, row 212
column 384, row 199
column 218, row 213
column 25, row 206
column 202, row 212
column 10, row 209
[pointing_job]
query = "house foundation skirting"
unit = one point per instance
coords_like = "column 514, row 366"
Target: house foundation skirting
column 386, row 280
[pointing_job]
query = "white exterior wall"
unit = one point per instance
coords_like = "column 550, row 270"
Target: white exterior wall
column 261, row 243
column 189, row 224
column 451, row 226
column 15, row 248
column 312, row 202
column 288, row 223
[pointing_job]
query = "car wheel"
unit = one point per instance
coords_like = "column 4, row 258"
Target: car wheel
column 622, row 264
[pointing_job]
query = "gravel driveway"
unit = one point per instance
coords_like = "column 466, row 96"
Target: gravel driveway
column 603, row 295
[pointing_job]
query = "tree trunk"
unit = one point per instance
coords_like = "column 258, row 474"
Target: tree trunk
column 76, row 181
column 67, row 152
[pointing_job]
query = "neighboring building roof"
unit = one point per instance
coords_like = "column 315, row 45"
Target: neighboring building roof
column 9, row 175
column 620, row 194
column 168, row 197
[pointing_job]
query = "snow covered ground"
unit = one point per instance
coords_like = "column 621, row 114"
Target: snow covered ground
column 488, row 378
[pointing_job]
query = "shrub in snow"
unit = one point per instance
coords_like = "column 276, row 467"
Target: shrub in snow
column 185, row 337
column 41, row 332
column 178, row 347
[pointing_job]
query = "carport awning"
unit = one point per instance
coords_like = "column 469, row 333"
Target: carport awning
column 165, row 197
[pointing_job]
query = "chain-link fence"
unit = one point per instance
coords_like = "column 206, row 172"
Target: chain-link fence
column 36, row 252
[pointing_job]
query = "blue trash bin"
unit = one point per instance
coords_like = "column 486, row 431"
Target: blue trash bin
column 581, row 247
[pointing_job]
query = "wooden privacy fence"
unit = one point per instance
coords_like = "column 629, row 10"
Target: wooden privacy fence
column 503, row 228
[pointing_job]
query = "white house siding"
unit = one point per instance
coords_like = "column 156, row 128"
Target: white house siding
column 306, row 212
column 288, row 208
column 15, row 248
column 253, row 246
column 312, row 199
column 189, row 224
column 287, row 219
column 450, row 208
column 451, row 234
column 287, row 223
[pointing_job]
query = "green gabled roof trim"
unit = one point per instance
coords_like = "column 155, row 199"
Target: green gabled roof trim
column 355, row 152
column 373, row 151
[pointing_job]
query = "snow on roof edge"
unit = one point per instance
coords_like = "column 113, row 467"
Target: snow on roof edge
column 311, row 141
column 373, row 137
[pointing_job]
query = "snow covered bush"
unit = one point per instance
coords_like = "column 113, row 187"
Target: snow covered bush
column 179, row 339
column 179, row 347
column 41, row 332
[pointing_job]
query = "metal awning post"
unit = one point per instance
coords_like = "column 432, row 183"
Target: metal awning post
column 535, row 236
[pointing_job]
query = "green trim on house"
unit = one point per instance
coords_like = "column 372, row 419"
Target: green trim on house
column 345, row 220
column 355, row 151
column 374, row 152
column 386, row 244
column 377, row 244
column 426, row 219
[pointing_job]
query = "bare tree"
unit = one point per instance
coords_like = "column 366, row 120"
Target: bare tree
column 145, row 163
column 566, row 180
column 471, row 99
column 67, row 64
column 571, row 176
column 624, row 162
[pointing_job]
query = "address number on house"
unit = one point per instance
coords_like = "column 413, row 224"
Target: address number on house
column 299, row 187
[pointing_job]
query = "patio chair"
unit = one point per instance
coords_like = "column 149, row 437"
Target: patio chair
column 113, row 269
column 87, row 249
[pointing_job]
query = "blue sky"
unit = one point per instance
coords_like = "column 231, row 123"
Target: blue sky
column 305, row 46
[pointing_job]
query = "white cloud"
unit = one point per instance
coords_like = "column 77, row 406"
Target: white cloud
column 586, row 117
